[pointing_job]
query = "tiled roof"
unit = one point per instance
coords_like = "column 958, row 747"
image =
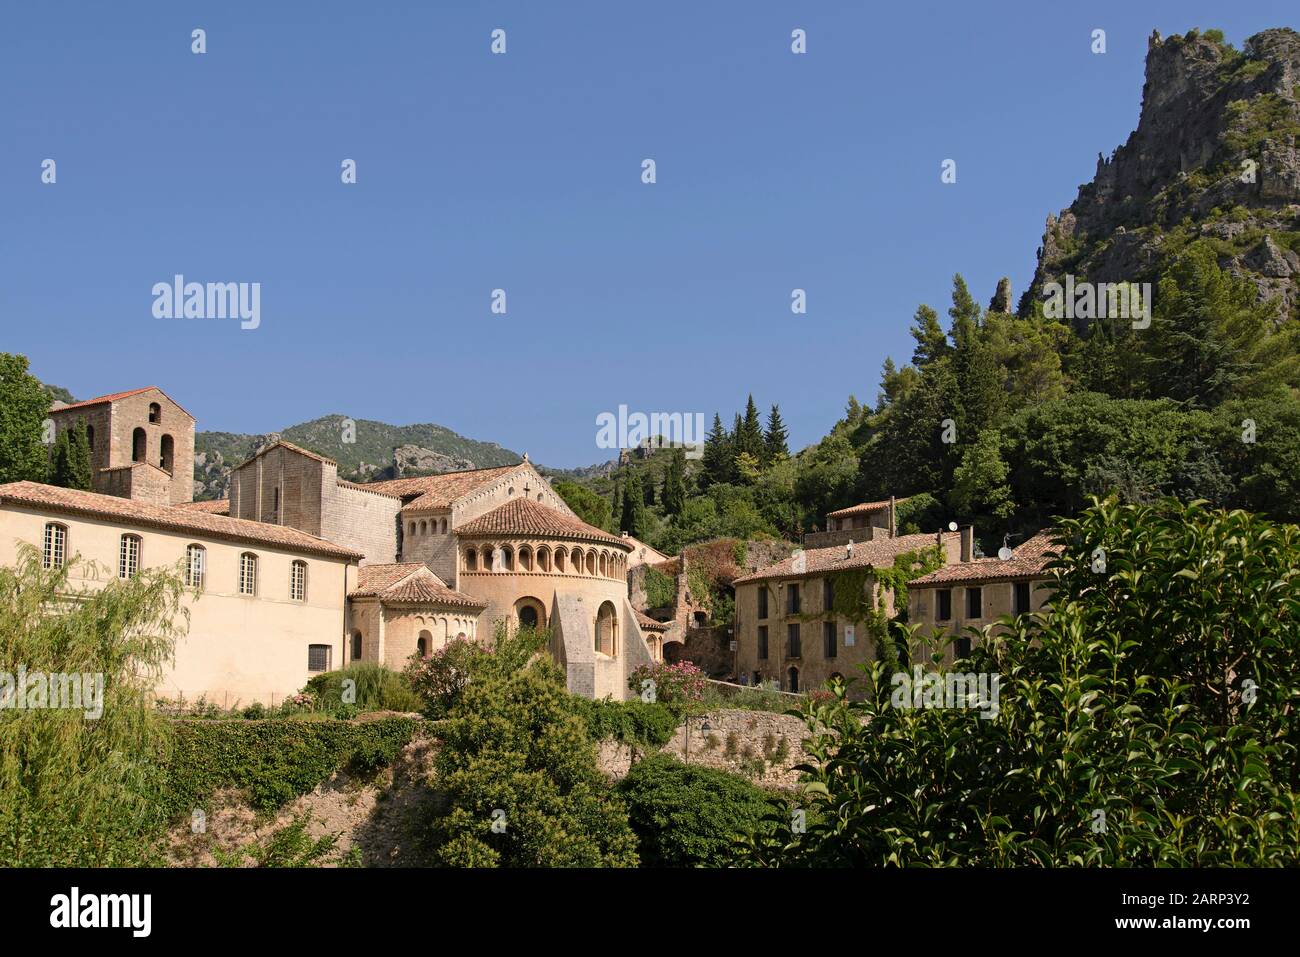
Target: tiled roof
column 648, row 623
column 220, row 506
column 523, row 516
column 365, row 488
column 820, row 561
column 439, row 491
column 1029, row 561
column 114, row 397
column 168, row 517
column 864, row 509
column 408, row 582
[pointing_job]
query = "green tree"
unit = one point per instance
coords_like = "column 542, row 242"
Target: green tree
column 748, row 438
column 70, row 463
column 980, row 489
column 634, row 519
column 24, row 407
column 674, row 496
column 586, row 504
column 776, row 438
column 931, row 340
column 717, row 461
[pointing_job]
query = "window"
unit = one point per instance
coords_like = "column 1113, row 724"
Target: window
column 828, row 594
column 166, row 453
column 471, row 560
column 318, row 657
column 137, row 445
column 829, row 649
column 90, row 438
column 196, row 563
column 155, row 412
column 422, row 643
column 248, row 574
column 943, row 605
column 298, row 581
column 963, row 647
column 1021, row 598
column 974, row 602
column 793, row 677
column 128, row 561
column 527, row 617
column 356, row 646
column 762, row 642
column 792, row 605
column 56, row 546
column 762, row 601
column 792, row 649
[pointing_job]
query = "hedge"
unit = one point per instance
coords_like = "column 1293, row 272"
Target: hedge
column 632, row 722
column 273, row 761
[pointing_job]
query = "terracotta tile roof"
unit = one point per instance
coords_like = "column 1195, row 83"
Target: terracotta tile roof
column 219, row 506
column 523, row 516
column 365, row 488
column 864, row 509
column 113, row 398
column 648, row 623
column 1029, row 561
column 440, row 491
column 291, row 447
column 168, row 517
column 819, row 561
column 408, row 583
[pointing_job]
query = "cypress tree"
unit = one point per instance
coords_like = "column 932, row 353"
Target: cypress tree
column 675, row 484
column 776, row 438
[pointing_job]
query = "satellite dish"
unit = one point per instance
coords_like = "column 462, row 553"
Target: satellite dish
column 1004, row 553
column 952, row 526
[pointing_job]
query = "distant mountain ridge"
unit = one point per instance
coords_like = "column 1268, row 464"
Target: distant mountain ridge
column 365, row 450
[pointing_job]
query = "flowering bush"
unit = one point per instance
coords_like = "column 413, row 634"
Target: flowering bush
column 439, row 678
column 677, row 685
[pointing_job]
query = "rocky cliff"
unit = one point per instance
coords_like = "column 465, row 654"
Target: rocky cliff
column 1216, row 155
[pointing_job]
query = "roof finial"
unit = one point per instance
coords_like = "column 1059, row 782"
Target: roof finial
column 525, row 456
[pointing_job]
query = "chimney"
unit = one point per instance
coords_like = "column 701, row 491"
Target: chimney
column 893, row 517
column 848, row 549
column 967, row 542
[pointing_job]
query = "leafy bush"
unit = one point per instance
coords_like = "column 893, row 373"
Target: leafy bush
column 520, row 773
column 274, row 761
column 632, row 722
column 376, row 688
column 288, row 846
column 660, row 589
column 1148, row 718
column 78, row 790
column 440, row 679
column 689, row 816
column 680, row 686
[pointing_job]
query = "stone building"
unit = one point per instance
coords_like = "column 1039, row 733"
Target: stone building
column 976, row 592
column 787, row 628
column 413, row 562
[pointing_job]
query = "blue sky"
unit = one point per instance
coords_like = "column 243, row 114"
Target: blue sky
column 522, row 172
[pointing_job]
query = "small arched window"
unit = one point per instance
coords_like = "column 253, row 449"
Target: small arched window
column 424, row 527
column 196, row 565
column 298, row 581
column 356, row 646
column 443, row 527
column 137, row 445
column 56, row 546
column 422, row 644
column 248, row 574
column 155, row 412
column 128, row 562
column 167, row 453
column 471, row 560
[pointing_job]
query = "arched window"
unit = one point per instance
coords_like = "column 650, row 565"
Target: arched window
column 356, row 646
column 604, row 564
column 128, row 560
column 525, row 559
column 248, row 574
column 591, row 562
column 413, row 529
column 543, row 559
column 155, row 412
column 528, row 617
column 560, row 556
column 56, row 546
column 166, row 453
column 196, row 566
column 607, row 630
column 298, row 581
column 471, row 560
column 422, row 644
column 443, row 527
column 137, row 445
column 793, row 676
column 90, row 438
column 508, row 558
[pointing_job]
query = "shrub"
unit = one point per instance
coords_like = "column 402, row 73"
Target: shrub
column 375, row 687
column 679, row 686
column 1145, row 719
column 79, row 791
column 689, row 816
column 660, row 589
column 631, row 722
column 440, row 679
column 273, row 761
column 520, row 774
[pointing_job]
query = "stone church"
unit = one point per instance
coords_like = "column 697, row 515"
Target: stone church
column 300, row 572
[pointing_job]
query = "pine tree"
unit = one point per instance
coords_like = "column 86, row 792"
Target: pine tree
column 931, row 342
column 775, row 439
column 749, row 434
column 981, row 396
column 675, row 484
column 717, row 453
